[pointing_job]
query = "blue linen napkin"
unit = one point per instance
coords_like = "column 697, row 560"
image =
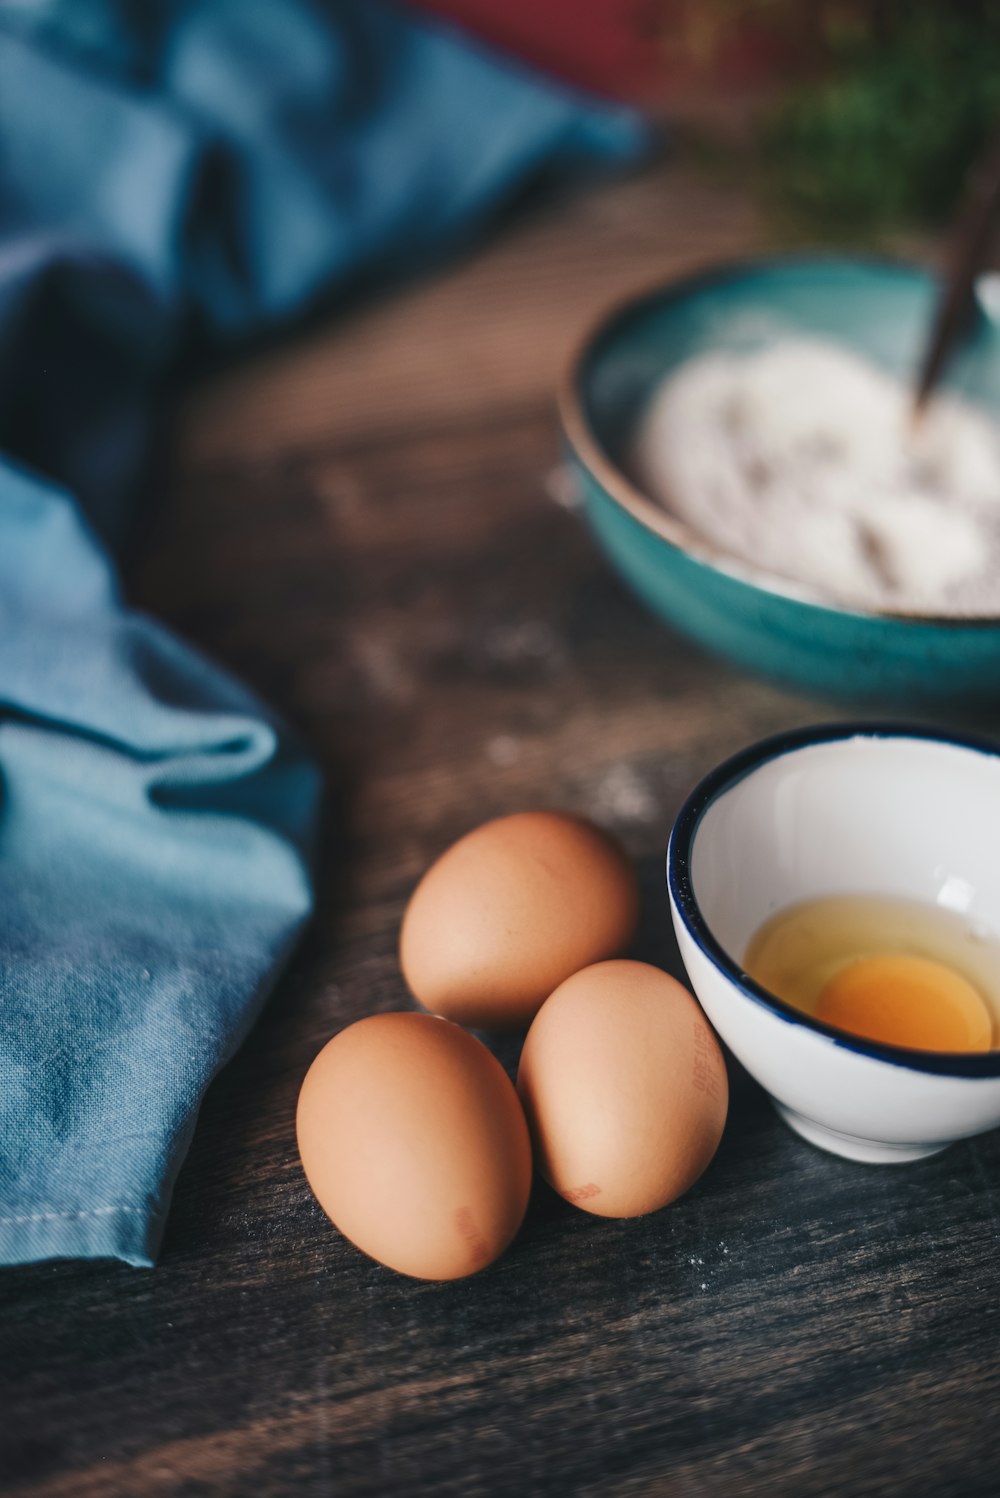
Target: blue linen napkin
column 173, row 171
column 154, row 839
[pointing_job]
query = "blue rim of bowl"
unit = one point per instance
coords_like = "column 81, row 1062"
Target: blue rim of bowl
column 590, row 451
column 723, row 778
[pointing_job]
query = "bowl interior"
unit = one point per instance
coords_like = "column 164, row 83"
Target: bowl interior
column 863, row 814
column 879, row 309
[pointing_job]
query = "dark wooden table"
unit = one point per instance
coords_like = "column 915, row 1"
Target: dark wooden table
column 364, row 524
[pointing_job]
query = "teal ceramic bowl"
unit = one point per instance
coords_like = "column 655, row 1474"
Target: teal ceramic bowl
column 762, row 622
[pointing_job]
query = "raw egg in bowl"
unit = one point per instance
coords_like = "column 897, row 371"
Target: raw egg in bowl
column 835, row 892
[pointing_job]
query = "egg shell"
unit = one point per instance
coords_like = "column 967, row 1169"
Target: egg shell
column 512, row 909
column 415, row 1144
column 625, row 1089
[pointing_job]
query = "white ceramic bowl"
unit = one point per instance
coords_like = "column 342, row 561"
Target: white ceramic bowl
column 845, row 809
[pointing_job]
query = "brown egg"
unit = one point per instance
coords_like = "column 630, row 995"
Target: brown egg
column 511, row 910
column 625, row 1089
column 414, row 1143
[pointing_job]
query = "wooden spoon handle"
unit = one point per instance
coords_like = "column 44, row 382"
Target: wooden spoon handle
column 968, row 256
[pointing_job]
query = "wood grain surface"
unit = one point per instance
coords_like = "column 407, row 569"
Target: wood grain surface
column 365, row 523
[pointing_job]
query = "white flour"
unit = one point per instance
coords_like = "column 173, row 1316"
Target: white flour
column 803, row 459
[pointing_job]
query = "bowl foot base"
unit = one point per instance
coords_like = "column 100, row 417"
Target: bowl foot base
column 869, row 1151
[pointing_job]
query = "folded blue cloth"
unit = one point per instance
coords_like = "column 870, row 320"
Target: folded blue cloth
column 155, row 828
column 214, row 168
column 176, row 171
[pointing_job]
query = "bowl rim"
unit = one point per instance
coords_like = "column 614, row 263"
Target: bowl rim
column 620, row 489
column 679, row 883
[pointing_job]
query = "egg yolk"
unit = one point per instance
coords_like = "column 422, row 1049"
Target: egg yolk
column 908, row 1001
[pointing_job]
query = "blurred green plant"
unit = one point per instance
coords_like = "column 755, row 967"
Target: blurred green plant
column 892, row 101
column 884, row 137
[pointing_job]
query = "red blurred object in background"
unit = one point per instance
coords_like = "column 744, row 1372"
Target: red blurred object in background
column 608, row 45
column 658, row 52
